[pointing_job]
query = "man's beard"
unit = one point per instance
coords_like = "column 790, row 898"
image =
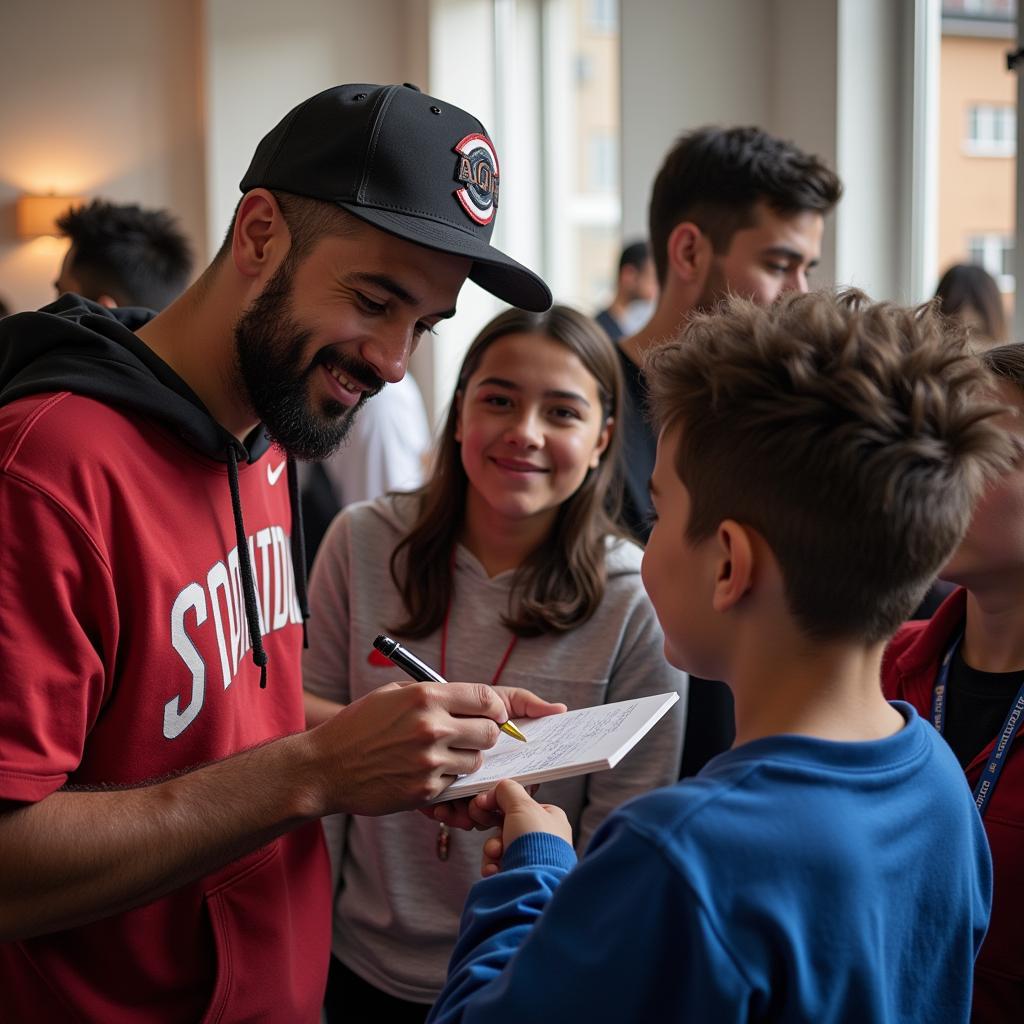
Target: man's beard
column 269, row 350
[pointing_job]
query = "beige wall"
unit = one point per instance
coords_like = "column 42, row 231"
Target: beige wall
column 976, row 193
column 260, row 59
column 161, row 102
column 686, row 64
column 101, row 99
column 771, row 63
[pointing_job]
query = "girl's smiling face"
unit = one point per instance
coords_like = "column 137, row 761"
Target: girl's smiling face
column 531, row 425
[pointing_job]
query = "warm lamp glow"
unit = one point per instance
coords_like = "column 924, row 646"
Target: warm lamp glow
column 37, row 215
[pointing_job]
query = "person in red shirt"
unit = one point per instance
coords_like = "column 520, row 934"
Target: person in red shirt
column 964, row 670
column 161, row 857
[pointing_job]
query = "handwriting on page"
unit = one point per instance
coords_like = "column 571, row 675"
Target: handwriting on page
column 553, row 741
column 558, row 747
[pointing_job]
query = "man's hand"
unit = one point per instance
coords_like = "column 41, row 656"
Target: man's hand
column 520, row 814
column 68, row 859
column 519, row 703
column 398, row 747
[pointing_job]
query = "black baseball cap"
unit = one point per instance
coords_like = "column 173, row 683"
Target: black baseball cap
column 405, row 162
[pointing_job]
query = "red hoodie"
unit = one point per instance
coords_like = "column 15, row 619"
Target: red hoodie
column 908, row 673
column 124, row 640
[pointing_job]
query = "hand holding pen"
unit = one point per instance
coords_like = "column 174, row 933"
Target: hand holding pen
column 404, row 659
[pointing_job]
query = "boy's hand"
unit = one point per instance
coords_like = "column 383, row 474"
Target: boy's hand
column 521, row 814
column 466, row 814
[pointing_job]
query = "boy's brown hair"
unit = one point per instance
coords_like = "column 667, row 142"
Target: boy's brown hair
column 854, row 437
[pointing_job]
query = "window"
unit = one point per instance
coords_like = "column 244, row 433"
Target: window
column 994, row 253
column 979, row 8
column 991, row 130
column 603, row 15
column 603, row 161
column 580, row 152
column 545, row 81
column 975, row 145
column 584, row 69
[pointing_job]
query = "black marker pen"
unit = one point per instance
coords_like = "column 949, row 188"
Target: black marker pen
column 404, row 659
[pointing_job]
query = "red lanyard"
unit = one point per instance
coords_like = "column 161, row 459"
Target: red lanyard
column 443, row 833
column 444, row 649
column 444, row 633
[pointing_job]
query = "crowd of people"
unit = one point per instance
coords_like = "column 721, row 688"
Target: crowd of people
column 726, row 486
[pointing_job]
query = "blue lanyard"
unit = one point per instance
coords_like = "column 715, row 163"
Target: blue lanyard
column 990, row 776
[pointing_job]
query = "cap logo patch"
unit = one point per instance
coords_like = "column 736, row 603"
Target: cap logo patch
column 477, row 171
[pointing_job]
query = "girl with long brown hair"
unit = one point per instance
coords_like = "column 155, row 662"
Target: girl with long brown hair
column 505, row 567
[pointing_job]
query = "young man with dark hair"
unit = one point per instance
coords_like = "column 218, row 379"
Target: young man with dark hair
column 733, row 212
column 123, row 255
column 817, row 462
column 636, row 288
column 161, row 856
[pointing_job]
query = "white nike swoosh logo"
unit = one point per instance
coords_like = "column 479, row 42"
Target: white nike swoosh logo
column 274, row 474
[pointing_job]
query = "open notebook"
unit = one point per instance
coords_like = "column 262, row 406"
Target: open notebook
column 557, row 747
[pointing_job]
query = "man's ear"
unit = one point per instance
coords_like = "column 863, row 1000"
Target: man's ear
column 735, row 573
column 689, row 252
column 260, row 238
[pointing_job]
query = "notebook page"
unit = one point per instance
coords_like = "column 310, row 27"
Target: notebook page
column 560, row 746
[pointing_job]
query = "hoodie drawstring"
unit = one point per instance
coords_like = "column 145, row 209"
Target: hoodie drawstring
column 298, row 546
column 252, row 611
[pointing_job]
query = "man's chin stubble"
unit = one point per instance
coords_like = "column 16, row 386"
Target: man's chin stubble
column 332, row 429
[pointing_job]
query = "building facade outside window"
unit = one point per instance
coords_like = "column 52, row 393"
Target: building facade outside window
column 978, row 139
column 991, row 130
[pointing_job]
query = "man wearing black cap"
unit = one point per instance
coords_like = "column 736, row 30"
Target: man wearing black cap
column 160, row 850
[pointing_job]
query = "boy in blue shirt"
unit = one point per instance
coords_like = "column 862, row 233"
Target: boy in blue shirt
column 817, row 463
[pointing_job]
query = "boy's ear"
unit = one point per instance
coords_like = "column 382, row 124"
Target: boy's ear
column 735, row 573
column 261, row 237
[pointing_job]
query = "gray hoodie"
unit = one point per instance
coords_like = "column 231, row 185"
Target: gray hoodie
column 397, row 905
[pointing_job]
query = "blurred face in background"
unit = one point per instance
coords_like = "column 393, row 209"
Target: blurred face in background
column 774, row 256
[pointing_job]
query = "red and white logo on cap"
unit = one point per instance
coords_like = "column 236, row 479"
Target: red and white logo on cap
column 477, row 172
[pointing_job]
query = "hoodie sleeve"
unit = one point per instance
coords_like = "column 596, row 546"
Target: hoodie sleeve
column 58, row 635
column 623, row 938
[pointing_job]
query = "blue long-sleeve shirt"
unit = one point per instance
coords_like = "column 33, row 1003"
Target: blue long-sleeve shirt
column 795, row 879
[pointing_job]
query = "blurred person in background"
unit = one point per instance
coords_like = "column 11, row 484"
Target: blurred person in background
column 635, row 293
column 386, row 450
column 733, row 211
column 970, row 293
column 123, row 255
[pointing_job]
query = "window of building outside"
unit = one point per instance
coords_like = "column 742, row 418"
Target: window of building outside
column 581, row 147
column 995, row 254
column 569, row 143
column 545, row 75
column 603, row 16
column 991, row 130
column 977, row 139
